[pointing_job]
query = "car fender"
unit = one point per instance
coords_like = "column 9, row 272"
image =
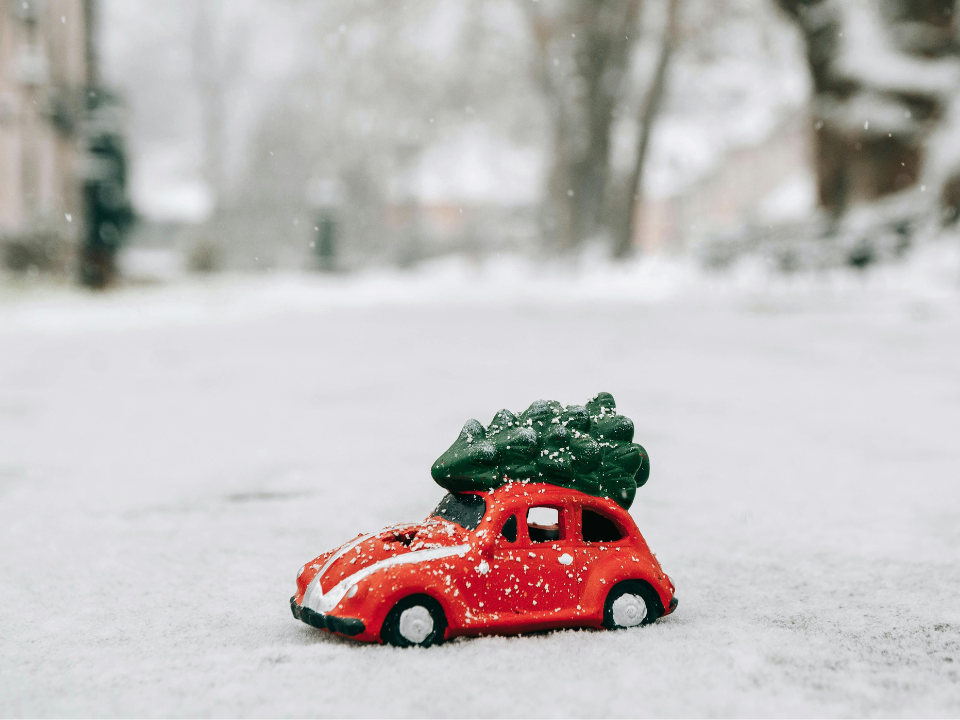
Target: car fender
column 616, row 568
column 383, row 589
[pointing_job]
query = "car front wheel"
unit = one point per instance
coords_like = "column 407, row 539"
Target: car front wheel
column 415, row 621
column 630, row 603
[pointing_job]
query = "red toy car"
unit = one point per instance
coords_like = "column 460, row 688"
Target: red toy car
column 520, row 558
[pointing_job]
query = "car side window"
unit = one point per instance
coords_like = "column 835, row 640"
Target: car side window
column 597, row 527
column 509, row 530
column 543, row 524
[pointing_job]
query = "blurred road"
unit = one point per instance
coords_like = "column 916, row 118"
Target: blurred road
column 161, row 484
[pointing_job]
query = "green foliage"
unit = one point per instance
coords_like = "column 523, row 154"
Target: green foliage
column 589, row 448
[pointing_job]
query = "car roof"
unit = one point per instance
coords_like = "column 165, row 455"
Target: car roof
column 548, row 492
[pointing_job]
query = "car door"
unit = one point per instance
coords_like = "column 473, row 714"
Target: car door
column 503, row 572
column 535, row 576
column 601, row 536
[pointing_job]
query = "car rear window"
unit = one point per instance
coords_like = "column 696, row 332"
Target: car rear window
column 465, row 510
column 597, row 527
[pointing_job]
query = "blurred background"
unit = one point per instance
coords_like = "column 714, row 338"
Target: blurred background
column 143, row 142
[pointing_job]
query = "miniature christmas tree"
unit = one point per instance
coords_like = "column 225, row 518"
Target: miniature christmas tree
column 589, row 448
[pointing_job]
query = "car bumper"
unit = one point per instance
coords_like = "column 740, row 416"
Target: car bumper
column 344, row 626
column 673, row 606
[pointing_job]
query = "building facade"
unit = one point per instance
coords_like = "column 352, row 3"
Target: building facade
column 46, row 66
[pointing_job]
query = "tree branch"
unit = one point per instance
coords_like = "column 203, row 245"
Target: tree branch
column 648, row 112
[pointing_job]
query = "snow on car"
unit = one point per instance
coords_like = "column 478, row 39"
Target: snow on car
column 520, row 558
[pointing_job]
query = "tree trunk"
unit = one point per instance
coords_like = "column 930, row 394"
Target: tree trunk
column 628, row 218
column 211, row 85
column 878, row 92
column 582, row 53
column 90, row 42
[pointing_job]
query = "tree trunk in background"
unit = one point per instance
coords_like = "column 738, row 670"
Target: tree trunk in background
column 880, row 86
column 97, row 262
column 583, row 49
column 210, row 74
column 217, row 53
column 629, row 217
column 90, row 43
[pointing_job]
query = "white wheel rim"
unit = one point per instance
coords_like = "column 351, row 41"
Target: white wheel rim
column 416, row 624
column 629, row 610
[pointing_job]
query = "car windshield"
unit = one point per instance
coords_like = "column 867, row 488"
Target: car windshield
column 465, row 510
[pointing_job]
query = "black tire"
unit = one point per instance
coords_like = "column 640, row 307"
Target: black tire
column 636, row 589
column 415, row 632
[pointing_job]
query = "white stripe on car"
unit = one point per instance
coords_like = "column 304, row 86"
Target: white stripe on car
column 318, row 601
column 343, row 551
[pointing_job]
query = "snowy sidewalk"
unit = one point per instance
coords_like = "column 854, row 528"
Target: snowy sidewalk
column 170, row 457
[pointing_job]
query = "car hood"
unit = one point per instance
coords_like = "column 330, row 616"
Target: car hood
column 324, row 580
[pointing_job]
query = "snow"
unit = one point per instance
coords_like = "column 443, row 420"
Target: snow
column 170, row 199
column 170, row 456
column 151, row 264
column 734, row 86
column 868, row 57
column 793, row 200
column 476, row 167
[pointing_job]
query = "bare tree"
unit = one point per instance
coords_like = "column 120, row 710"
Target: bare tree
column 627, row 219
column 582, row 53
column 881, row 82
column 218, row 54
column 375, row 92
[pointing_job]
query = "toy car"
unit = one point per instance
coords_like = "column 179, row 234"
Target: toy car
column 520, row 558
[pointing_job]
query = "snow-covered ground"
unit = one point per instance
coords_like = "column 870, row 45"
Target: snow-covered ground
column 170, row 456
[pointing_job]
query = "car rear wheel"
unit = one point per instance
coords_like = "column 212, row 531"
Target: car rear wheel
column 631, row 603
column 415, row 621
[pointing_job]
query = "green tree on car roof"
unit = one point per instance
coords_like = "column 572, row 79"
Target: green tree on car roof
column 589, row 448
